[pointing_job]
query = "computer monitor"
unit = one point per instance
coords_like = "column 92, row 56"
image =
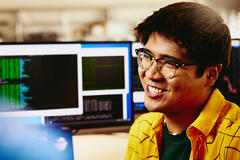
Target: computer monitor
column 68, row 83
column 138, row 92
column 230, row 84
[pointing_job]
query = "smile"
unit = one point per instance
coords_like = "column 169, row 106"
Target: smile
column 155, row 91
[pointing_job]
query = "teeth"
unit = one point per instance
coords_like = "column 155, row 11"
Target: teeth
column 154, row 91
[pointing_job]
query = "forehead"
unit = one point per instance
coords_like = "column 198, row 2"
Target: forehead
column 160, row 46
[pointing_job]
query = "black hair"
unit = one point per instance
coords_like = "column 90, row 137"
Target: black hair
column 194, row 27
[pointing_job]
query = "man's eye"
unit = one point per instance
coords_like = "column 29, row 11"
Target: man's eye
column 146, row 56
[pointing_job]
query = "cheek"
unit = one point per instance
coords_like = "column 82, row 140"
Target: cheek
column 176, row 88
column 179, row 89
column 185, row 91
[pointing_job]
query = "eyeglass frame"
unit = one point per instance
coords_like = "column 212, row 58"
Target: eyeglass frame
column 152, row 59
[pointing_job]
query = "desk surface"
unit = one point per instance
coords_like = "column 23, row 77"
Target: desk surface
column 101, row 146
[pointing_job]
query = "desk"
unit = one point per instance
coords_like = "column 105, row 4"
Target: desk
column 108, row 146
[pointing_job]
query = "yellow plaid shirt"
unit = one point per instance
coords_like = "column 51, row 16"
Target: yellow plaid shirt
column 214, row 135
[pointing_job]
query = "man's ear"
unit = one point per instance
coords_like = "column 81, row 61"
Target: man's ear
column 212, row 74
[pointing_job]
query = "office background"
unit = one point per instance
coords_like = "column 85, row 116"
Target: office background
column 92, row 20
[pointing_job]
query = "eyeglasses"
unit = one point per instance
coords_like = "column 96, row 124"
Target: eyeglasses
column 167, row 67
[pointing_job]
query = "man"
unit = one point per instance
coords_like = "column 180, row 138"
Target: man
column 186, row 47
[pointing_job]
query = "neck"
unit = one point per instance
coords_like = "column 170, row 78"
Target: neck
column 177, row 123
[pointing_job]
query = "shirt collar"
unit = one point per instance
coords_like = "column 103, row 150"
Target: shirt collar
column 210, row 113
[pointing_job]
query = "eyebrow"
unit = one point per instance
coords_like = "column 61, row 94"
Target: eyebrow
column 163, row 55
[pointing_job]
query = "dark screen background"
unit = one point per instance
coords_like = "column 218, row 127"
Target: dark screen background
column 45, row 82
column 103, row 73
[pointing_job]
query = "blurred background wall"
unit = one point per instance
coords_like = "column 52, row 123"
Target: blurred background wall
column 90, row 20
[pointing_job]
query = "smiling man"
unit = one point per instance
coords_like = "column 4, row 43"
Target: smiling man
column 186, row 48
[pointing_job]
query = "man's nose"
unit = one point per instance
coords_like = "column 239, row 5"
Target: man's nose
column 153, row 71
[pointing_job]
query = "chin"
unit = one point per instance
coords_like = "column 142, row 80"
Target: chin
column 152, row 108
column 154, row 105
column 161, row 107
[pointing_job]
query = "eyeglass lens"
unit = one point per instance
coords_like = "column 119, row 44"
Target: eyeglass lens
column 145, row 61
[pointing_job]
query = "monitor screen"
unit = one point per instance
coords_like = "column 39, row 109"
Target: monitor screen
column 230, row 84
column 74, row 83
column 138, row 92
